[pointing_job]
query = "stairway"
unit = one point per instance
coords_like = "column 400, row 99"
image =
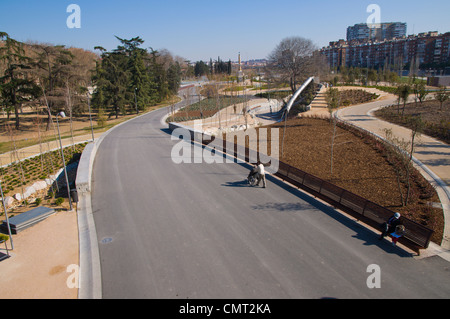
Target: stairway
column 320, row 101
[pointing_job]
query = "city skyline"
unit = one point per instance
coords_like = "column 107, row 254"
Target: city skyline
column 200, row 30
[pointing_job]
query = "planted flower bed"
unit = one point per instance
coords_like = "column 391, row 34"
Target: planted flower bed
column 205, row 108
column 17, row 176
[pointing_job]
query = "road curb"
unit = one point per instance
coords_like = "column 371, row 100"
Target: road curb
column 90, row 279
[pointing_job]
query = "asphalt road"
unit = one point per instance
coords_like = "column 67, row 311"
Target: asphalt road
column 198, row 231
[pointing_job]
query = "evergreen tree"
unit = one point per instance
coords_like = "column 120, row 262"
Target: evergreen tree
column 174, row 77
column 159, row 77
column 16, row 84
column 201, row 69
column 112, row 80
column 130, row 74
column 141, row 83
column 52, row 65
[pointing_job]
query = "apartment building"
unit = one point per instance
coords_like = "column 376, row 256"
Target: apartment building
column 376, row 32
column 424, row 49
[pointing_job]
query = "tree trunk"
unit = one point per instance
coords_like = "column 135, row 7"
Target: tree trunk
column 49, row 121
column 16, row 112
column 332, row 145
column 399, row 184
column 408, row 170
column 16, row 108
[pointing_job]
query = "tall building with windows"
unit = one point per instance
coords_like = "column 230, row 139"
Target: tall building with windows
column 429, row 49
column 376, row 32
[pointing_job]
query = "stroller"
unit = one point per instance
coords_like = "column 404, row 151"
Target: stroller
column 252, row 178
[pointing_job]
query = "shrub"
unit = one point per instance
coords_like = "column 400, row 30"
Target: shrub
column 59, row 201
column 3, row 237
column 101, row 118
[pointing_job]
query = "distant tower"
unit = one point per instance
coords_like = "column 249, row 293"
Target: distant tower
column 240, row 72
column 240, row 65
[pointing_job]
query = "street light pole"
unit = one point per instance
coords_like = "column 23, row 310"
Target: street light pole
column 7, row 219
column 90, row 115
column 135, row 100
column 63, row 115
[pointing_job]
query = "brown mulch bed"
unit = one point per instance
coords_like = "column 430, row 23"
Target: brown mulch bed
column 436, row 120
column 359, row 166
column 354, row 97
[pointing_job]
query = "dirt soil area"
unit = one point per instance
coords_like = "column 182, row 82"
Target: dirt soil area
column 436, row 119
column 358, row 166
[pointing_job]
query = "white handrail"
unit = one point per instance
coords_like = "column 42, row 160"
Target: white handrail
column 299, row 91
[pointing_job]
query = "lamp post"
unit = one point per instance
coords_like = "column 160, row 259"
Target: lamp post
column 135, row 100
column 90, row 91
column 63, row 115
column 7, row 219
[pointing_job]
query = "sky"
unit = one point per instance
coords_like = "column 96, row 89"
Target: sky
column 203, row 29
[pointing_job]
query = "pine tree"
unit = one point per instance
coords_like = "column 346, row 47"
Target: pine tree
column 131, row 75
column 112, row 81
column 52, row 66
column 16, row 84
column 174, row 77
column 140, row 84
column 200, row 69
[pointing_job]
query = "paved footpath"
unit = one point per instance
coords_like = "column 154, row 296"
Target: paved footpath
column 41, row 264
column 431, row 156
column 10, row 157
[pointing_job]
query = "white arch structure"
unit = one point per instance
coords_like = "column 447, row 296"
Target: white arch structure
column 289, row 106
column 296, row 95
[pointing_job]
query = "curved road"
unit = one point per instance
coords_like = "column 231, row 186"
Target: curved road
column 197, row 231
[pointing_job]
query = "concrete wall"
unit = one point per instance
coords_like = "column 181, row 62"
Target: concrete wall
column 439, row 81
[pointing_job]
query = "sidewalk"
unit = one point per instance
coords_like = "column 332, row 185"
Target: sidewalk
column 431, row 152
column 37, row 268
column 31, row 151
column 227, row 120
column 40, row 264
column 431, row 156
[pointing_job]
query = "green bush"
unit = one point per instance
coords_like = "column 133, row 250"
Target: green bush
column 59, row 201
column 3, row 237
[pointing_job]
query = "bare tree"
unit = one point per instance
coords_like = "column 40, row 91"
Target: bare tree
column 400, row 154
column 404, row 92
column 293, row 60
column 420, row 92
column 442, row 96
column 333, row 98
